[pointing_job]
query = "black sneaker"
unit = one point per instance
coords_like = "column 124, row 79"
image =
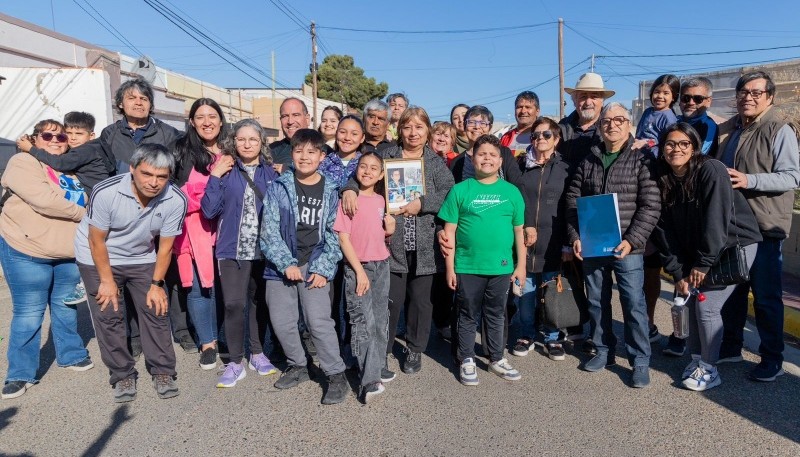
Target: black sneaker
column 413, row 362
column 83, row 365
column 136, row 348
column 675, row 346
column 522, row 346
column 14, row 389
column 187, row 344
column 293, row 376
column 125, row 390
column 369, row 392
column 766, row 371
column 208, row 359
column 337, row 389
column 554, row 351
column 387, row 374
column 654, row 336
column 589, row 347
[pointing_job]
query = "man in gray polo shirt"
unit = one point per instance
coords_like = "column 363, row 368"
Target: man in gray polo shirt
column 115, row 248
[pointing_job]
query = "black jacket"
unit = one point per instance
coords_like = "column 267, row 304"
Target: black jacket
column 118, row 144
column 631, row 178
column 543, row 189
column 576, row 144
column 87, row 162
column 697, row 231
column 508, row 171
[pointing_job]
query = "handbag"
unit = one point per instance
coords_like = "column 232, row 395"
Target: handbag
column 563, row 299
column 730, row 266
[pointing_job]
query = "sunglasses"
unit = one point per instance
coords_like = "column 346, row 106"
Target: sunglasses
column 697, row 99
column 47, row 136
column 547, row 134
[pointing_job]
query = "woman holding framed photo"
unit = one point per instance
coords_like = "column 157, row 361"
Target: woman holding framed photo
column 415, row 256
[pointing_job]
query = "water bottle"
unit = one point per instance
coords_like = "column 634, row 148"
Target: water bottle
column 680, row 317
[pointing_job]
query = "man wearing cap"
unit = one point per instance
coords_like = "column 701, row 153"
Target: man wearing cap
column 526, row 111
column 579, row 130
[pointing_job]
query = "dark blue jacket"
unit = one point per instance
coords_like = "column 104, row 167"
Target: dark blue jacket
column 223, row 201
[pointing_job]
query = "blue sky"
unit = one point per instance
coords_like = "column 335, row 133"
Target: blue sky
column 455, row 65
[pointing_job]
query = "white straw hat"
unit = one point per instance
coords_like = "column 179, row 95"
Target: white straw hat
column 590, row 82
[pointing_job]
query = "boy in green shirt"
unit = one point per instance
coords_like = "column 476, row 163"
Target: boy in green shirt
column 485, row 215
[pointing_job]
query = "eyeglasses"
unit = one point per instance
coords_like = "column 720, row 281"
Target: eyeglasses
column 60, row 137
column 241, row 140
column 547, row 134
column 476, row 123
column 683, row 145
column 697, row 99
column 618, row 121
column 755, row 93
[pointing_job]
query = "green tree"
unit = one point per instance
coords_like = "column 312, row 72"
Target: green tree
column 338, row 78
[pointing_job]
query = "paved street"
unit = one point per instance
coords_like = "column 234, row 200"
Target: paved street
column 554, row 409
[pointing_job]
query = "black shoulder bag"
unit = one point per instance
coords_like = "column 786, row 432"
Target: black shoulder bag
column 730, row 267
column 563, row 299
column 251, row 184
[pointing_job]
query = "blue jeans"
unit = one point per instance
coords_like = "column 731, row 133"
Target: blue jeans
column 767, row 286
column 201, row 305
column 35, row 282
column 629, row 274
column 526, row 307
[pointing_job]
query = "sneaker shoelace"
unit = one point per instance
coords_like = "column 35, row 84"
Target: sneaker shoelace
column 162, row 380
column 699, row 374
column 126, row 383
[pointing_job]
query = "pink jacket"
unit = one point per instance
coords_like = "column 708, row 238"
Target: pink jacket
column 198, row 238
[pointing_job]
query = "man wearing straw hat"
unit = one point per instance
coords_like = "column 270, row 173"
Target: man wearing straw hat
column 579, row 130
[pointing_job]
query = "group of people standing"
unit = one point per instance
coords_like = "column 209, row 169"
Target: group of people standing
column 286, row 251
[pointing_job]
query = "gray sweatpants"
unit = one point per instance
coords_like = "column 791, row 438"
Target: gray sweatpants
column 282, row 300
column 705, row 319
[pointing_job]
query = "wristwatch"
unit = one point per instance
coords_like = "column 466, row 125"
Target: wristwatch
column 159, row 283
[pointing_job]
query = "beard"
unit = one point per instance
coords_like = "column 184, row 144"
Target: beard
column 586, row 115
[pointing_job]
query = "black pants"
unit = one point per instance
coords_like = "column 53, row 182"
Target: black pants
column 414, row 293
column 246, row 312
column 482, row 295
column 177, row 306
column 109, row 325
column 339, row 312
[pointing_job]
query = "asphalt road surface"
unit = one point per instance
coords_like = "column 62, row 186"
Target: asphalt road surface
column 556, row 409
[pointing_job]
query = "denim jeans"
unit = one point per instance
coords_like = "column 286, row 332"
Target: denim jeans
column 201, row 304
column 767, row 286
column 526, row 308
column 369, row 318
column 629, row 274
column 35, row 282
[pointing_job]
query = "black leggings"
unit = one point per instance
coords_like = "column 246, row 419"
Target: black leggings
column 242, row 282
column 416, row 291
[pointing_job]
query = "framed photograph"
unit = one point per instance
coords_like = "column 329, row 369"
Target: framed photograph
column 405, row 182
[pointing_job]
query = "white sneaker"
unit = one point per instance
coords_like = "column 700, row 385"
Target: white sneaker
column 703, row 377
column 690, row 368
column 504, row 369
column 469, row 372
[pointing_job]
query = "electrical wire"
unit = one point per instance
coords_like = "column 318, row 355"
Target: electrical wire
column 109, row 28
column 439, row 32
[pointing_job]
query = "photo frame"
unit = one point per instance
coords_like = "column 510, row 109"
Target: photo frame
column 405, row 182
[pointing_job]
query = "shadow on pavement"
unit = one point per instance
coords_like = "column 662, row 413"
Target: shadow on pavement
column 120, row 417
column 5, row 415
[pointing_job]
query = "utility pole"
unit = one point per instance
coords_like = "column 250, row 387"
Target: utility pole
column 314, row 71
column 560, row 68
column 274, row 123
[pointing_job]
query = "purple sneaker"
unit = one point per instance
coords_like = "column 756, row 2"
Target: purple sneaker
column 261, row 364
column 233, row 372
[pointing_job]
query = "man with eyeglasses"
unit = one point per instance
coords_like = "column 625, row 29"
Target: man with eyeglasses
column 760, row 150
column 526, row 111
column 376, row 124
column 580, row 130
column 614, row 167
column 695, row 99
column 294, row 116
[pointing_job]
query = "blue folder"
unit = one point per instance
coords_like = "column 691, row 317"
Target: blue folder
column 598, row 222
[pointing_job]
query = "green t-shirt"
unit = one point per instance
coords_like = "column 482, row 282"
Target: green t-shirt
column 486, row 215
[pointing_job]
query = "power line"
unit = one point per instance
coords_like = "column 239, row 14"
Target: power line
column 109, row 27
column 710, row 53
column 438, row 32
column 288, row 13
